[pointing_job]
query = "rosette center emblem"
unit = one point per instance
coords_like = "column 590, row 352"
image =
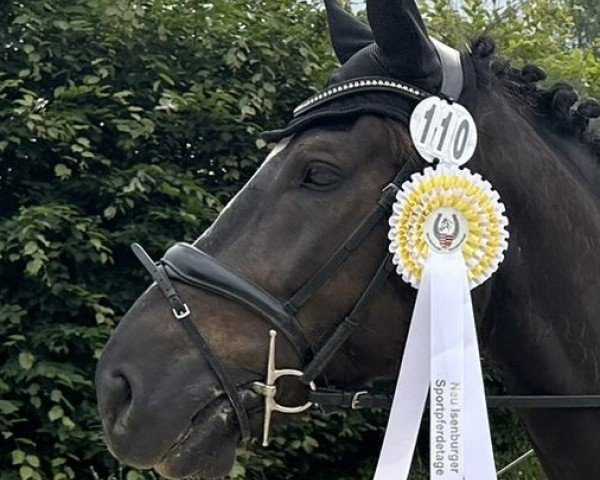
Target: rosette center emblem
column 446, row 230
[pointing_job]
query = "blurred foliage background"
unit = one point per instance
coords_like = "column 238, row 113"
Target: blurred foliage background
column 123, row 121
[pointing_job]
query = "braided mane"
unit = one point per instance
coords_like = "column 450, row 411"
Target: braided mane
column 559, row 106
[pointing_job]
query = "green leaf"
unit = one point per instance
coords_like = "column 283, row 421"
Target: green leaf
column 91, row 79
column 170, row 190
column 237, row 472
column 33, row 267
column 67, row 422
column 62, row 171
column 309, row 444
column 61, row 24
column 33, row 460
column 26, row 472
column 57, row 462
column 21, row 19
column 55, row 396
column 248, row 110
column 167, row 79
column 18, row 457
column 30, row 247
column 110, row 212
column 133, row 475
column 26, row 360
column 55, row 413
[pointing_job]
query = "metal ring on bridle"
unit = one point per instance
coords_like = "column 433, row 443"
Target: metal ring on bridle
column 269, row 389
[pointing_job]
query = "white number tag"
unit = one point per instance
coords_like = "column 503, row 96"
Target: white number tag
column 443, row 131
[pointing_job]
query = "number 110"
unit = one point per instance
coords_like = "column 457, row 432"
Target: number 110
column 460, row 138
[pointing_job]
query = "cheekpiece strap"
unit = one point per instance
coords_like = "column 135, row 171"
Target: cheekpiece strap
column 158, row 274
column 183, row 314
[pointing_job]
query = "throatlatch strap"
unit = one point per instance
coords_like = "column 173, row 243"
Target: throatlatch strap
column 183, row 314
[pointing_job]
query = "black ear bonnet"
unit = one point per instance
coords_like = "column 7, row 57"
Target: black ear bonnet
column 386, row 69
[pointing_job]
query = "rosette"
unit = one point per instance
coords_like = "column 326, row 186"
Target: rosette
column 473, row 208
column 447, row 235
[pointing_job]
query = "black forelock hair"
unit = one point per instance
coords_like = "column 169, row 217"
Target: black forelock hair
column 559, row 105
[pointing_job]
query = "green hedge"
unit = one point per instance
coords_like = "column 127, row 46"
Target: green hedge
column 123, row 121
column 119, row 121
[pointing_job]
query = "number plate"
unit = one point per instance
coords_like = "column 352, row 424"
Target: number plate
column 443, row 131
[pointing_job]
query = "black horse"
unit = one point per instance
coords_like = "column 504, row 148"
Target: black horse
column 161, row 402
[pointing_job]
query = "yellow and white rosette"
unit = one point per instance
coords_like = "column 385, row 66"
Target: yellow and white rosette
column 443, row 192
column 448, row 235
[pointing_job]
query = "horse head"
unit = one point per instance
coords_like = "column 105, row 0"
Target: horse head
column 302, row 250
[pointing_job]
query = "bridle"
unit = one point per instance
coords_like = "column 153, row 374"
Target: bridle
column 187, row 264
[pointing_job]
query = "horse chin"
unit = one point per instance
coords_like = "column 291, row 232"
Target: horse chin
column 207, row 449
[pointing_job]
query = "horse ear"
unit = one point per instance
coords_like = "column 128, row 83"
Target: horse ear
column 402, row 37
column 348, row 35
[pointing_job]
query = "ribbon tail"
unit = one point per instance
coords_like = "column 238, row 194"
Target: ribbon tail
column 410, row 395
column 447, row 398
column 479, row 455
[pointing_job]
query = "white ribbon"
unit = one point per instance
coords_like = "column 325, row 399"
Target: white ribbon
column 441, row 356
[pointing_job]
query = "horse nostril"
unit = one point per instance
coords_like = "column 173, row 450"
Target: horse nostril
column 125, row 393
column 117, row 398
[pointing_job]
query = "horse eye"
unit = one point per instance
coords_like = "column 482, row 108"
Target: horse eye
column 321, row 176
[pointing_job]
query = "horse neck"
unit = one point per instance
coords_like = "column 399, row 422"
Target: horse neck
column 541, row 330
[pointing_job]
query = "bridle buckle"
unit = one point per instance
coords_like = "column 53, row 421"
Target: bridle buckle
column 269, row 390
column 388, row 196
column 354, row 404
column 181, row 314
